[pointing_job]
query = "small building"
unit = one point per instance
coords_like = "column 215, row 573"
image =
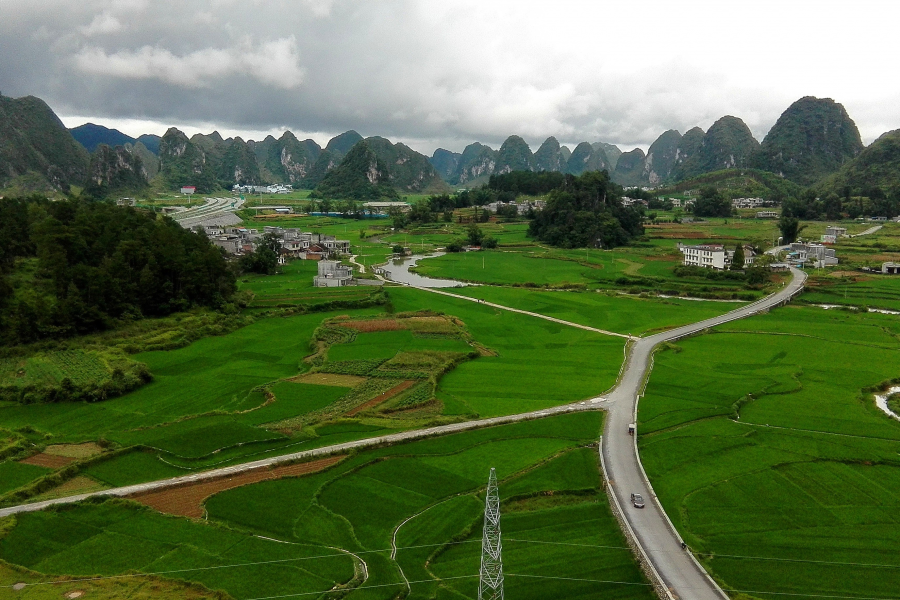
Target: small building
column 836, row 232
column 816, row 255
column 890, row 268
column 767, row 214
column 779, row 267
column 188, row 189
column 333, row 274
column 713, row 256
column 384, row 207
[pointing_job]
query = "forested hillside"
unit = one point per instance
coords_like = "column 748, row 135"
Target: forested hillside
column 75, row 266
column 586, row 211
column 37, row 152
column 813, row 138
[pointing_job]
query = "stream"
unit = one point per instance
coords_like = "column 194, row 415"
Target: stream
column 398, row 270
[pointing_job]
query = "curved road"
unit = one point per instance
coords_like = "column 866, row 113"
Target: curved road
column 649, row 528
column 654, row 533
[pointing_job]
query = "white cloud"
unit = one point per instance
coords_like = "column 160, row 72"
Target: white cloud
column 275, row 63
column 103, row 23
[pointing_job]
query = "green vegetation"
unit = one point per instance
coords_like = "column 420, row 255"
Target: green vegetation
column 38, row 153
column 424, row 496
column 96, row 263
column 586, row 212
column 526, row 354
column 728, row 144
column 813, row 138
column 653, row 269
column 873, row 173
column 611, row 312
column 765, row 447
column 353, row 177
column 738, row 183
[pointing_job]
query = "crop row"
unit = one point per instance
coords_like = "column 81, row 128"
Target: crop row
column 352, row 367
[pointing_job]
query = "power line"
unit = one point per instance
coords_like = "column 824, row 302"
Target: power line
column 364, row 587
column 341, row 554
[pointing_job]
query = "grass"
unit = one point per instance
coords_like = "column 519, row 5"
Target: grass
column 40, row 587
column 645, row 268
column 116, row 537
column 617, row 313
column 808, row 473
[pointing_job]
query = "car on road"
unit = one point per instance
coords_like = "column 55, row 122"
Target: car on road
column 637, row 500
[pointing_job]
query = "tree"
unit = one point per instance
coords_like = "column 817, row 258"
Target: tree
column 421, row 212
column 475, row 236
column 264, row 259
column 790, row 228
column 712, row 203
column 737, row 260
column 397, row 249
column 489, row 242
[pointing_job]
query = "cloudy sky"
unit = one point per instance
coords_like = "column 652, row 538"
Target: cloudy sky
column 449, row 72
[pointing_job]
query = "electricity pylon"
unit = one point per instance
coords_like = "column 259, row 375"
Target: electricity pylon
column 490, row 587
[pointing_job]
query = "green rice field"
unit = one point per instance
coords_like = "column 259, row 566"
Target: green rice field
column 772, row 460
column 421, row 499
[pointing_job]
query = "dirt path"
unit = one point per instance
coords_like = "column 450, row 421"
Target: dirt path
column 397, row 389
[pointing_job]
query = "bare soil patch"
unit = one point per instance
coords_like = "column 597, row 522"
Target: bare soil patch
column 187, row 500
column 49, row 461
column 382, row 397
column 330, row 379
column 85, row 450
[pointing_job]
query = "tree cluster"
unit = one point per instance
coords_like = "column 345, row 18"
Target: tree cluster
column 712, row 203
column 586, row 211
column 75, row 266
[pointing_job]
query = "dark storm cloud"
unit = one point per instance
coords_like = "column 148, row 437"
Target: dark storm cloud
column 434, row 73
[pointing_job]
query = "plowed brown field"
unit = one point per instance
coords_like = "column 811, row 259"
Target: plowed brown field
column 50, row 461
column 187, row 500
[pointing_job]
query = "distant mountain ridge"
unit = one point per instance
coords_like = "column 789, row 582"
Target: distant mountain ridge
column 814, row 142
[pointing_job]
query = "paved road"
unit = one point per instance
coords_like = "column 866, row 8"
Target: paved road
column 653, row 532
column 402, row 436
column 684, row 577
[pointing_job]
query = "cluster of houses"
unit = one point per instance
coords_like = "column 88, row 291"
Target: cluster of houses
column 750, row 203
column 278, row 188
column 522, row 208
column 294, row 243
column 626, row 201
column 812, row 254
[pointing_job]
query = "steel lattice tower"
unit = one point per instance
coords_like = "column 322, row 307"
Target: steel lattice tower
column 490, row 587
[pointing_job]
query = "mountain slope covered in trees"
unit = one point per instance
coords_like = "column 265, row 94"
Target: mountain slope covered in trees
column 811, row 139
column 36, row 150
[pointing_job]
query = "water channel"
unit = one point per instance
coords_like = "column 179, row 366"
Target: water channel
column 398, row 270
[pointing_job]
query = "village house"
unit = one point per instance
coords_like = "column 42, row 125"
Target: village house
column 333, row 274
column 812, row 254
column 748, row 202
column 713, row 256
column 890, row 268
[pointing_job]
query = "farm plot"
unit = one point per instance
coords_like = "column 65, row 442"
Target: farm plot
column 212, row 374
column 618, row 313
column 770, row 457
column 536, row 363
column 187, row 500
column 425, row 494
column 116, row 537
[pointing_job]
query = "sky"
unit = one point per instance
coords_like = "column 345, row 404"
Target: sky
column 450, row 72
